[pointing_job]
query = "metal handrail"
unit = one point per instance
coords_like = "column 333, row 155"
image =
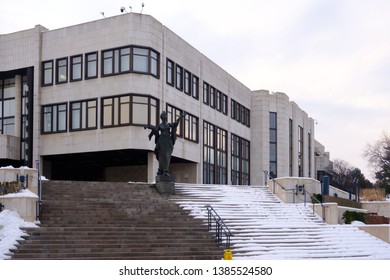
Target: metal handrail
column 220, row 227
column 39, row 202
column 295, row 193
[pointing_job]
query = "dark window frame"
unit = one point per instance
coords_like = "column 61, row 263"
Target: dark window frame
column 179, row 77
column 87, row 107
column 187, row 85
column 195, row 87
column 72, row 64
column 240, row 154
column 215, row 154
column 206, row 93
column 54, row 128
column 116, row 110
column 170, row 72
column 115, row 61
column 51, row 69
column 58, row 70
column 88, row 61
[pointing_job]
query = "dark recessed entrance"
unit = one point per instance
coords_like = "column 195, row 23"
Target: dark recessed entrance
column 92, row 166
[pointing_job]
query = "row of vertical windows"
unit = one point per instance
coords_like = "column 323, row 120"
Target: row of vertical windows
column 182, row 79
column 114, row 61
column 215, row 98
column 130, row 59
column 240, row 113
column 300, row 151
column 273, row 145
column 7, row 106
column 240, row 160
column 188, row 127
column 73, row 66
column 214, row 154
column 121, row 110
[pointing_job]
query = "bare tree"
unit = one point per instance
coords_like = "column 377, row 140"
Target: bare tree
column 378, row 156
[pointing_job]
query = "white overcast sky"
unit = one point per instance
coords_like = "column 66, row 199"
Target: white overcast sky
column 332, row 57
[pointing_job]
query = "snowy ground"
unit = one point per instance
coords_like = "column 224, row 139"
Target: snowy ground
column 10, row 232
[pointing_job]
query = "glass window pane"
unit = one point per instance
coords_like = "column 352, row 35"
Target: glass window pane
column 9, row 108
column 140, row 64
column 140, row 114
column 9, row 88
column 125, row 59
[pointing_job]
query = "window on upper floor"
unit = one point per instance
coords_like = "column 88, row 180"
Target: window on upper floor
column 76, row 68
column 129, row 109
column 54, row 118
column 170, row 72
column 47, row 73
column 62, row 70
column 83, row 115
column 130, row 59
column 179, row 77
column 195, row 87
column 91, row 65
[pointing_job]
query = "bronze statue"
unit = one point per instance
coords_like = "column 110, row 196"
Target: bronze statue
column 164, row 138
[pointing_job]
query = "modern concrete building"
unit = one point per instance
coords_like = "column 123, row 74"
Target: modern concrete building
column 77, row 99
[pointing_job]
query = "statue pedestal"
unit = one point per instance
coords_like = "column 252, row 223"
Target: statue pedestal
column 165, row 184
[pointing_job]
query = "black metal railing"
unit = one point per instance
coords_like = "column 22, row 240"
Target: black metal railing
column 39, row 202
column 221, row 229
column 296, row 191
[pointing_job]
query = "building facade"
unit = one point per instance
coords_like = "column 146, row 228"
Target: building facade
column 77, row 99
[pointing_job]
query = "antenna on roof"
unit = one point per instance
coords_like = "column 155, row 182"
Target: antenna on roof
column 123, row 9
column 102, row 13
column 143, row 5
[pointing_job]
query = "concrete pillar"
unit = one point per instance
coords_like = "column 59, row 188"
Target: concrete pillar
column 152, row 167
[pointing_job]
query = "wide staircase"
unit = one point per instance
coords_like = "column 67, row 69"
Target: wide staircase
column 263, row 227
column 99, row 220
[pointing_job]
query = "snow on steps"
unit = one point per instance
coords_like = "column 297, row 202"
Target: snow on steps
column 266, row 228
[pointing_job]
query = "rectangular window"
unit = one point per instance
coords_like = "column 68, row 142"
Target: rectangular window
column 214, row 154
column 218, row 101
column 170, row 72
column 290, row 146
column 91, row 65
column 195, row 87
column 240, row 153
column 212, row 97
column 47, row 73
column 247, row 117
column 140, row 110
column 224, row 104
column 179, row 77
column 173, row 114
column 154, row 63
column 187, row 82
column 273, row 145
column 54, row 118
column 309, row 153
column 206, row 93
column 7, row 106
column 108, row 62
column 124, row 60
column 62, row 70
column 191, row 128
column 300, row 151
column 129, row 109
column 83, row 115
column 233, row 109
column 76, row 68
column 141, row 60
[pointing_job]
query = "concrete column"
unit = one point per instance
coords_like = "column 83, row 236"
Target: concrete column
column 152, row 167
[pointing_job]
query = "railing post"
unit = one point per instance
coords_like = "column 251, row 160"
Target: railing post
column 39, row 202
